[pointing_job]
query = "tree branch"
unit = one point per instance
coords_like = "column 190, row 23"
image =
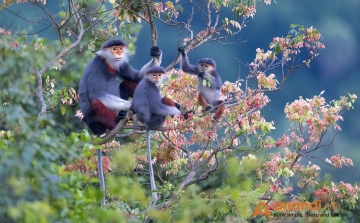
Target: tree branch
column 39, row 93
column 59, row 56
column 117, row 128
column 151, row 23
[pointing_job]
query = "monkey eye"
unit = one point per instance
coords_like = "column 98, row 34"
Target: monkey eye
column 114, row 48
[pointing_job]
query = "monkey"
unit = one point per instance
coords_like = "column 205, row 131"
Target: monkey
column 99, row 92
column 151, row 109
column 209, row 92
column 132, row 77
column 148, row 104
column 100, row 96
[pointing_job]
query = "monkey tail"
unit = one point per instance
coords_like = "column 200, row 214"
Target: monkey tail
column 101, row 176
column 151, row 171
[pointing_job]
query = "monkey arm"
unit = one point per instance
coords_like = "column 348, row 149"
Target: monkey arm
column 161, row 105
column 126, row 72
column 141, row 102
column 114, row 103
column 216, row 82
column 84, row 100
column 163, row 109
column 141, row 107
column 155, row 61
column 84, row 104
column 187, row 67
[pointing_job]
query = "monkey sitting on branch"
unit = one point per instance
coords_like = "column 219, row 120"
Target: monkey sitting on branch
column 100, row 100
column 101, row 97
column 151, row 108
column 209, row 83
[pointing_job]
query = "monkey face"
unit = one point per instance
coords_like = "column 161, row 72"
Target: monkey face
column 117, row 52
column 156, row 78
column 206, row 68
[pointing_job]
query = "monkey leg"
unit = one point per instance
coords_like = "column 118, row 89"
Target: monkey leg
column 103, row 114
column 94, row 124
column 168, row 101
column 155, row 121
column 220, row 110
column 203, row 102
column 127, row 89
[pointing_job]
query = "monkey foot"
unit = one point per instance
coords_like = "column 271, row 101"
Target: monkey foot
column 214, row 120
column 187, row 114
column 208, row 108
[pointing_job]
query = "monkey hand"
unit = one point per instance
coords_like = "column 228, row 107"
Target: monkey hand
column 155, row 52
column 177, row 105
column 174, row 111
column 209, row 107
column 201, row 74
column 182, row 51
column 187, row 114
column 121, row 115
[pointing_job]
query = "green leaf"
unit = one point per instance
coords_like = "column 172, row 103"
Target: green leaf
column 63, row 110
column 204, row 82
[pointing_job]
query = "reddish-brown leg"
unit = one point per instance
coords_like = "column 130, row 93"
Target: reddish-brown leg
column 203, row 102
column 168, row 101
column 127, row 89
column 104, row 115
column 219, row 112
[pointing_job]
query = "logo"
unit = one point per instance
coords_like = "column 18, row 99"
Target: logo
column 263, row 209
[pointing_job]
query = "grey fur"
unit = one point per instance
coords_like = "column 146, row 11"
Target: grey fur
column 212, row 92
column 148, row 106
column 98, row 83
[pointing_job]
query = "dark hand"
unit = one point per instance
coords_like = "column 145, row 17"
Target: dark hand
column 187, row 114
column 121, row 115
column 182, row 51
column 155, row 52
column 201, row 74
column 177, row 105
column 209, row 107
